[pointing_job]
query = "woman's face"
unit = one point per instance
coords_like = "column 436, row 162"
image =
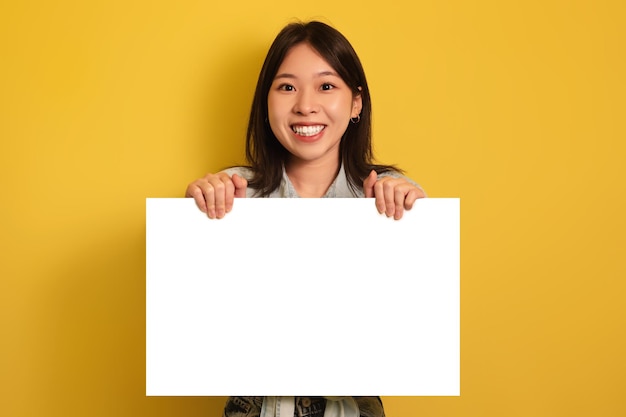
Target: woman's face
column 310, row 106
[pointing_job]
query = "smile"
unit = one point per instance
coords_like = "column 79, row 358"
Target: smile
column 307, row 130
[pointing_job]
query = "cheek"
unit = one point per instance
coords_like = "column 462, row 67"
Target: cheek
column 341, row 109
column 274, row 118
column 270, row 105
column 276, row 108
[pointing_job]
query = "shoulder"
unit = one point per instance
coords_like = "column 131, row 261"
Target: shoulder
column 246, row 173
column 241, row 171
column 396, row 174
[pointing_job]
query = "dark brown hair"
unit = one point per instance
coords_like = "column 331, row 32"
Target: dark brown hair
column 264, row 152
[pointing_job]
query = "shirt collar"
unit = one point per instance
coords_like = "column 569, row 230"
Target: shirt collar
column 338, row 188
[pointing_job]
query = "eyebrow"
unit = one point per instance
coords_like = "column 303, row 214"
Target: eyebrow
column 319, row 74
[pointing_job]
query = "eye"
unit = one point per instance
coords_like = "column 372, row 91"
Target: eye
column 286, row 87
column 327, row 87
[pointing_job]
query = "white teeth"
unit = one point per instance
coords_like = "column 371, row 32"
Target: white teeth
column 307, row 130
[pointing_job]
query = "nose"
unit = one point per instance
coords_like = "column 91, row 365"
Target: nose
column 306, row 102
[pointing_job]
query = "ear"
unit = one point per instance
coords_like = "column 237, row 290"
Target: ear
column 357, row 104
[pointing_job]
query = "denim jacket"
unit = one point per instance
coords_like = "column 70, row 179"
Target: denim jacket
column 304, row 406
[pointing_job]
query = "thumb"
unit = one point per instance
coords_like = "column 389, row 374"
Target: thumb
column 240, row 184
column 368, row 184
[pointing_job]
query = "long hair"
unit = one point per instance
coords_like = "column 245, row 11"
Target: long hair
column 264, row 152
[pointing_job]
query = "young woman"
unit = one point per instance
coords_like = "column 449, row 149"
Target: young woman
column 309, row 135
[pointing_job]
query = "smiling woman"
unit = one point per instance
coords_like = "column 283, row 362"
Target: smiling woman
column 309, row 135
column 309, row 132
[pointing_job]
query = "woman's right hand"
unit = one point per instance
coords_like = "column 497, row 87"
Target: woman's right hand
column 214, row 193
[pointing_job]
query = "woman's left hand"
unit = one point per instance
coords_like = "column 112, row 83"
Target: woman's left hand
column 393, row 195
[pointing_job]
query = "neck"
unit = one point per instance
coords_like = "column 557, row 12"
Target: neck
column 312, row 179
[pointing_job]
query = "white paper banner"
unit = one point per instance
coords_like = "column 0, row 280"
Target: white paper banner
column 302, row 297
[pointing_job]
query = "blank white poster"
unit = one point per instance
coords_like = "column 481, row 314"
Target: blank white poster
column 302, row 297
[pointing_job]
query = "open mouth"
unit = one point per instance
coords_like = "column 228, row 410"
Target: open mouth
column 307, row 130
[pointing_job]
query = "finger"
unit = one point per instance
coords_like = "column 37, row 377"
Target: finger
column 224, row 191
column 208, row 193
column 412, row 196
column 241, row 184
column 229, row 195
column 368, row 184
column 400, row 193
column 379, row 194
column 195, row 192
column 389, row 188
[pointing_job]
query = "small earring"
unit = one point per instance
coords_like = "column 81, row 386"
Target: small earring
column 356, row 119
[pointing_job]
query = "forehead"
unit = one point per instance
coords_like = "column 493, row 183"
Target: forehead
column 303, row 59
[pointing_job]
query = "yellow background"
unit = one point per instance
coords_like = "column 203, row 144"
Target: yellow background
column 516, row 107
